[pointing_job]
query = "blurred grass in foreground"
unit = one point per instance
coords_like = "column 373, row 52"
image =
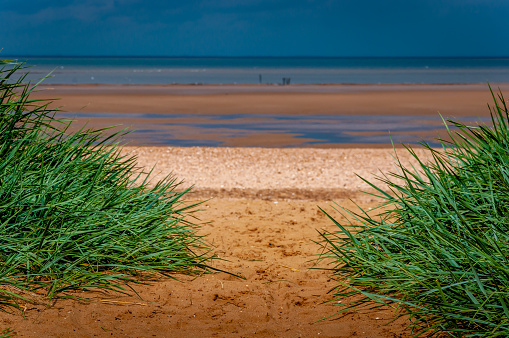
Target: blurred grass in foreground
column 437, row 248
column 72, row 216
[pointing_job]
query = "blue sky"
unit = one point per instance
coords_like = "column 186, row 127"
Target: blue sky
column 255, row 27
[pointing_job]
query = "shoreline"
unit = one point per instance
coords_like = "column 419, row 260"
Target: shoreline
column 331, row 84
column 195, row 88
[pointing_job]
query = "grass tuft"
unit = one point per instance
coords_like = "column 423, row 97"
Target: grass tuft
column 437, row 248
column 72, row 216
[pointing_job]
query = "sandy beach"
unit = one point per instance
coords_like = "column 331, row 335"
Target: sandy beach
column 261, row 214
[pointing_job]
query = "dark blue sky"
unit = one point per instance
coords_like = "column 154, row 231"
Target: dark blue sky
column 255, row 27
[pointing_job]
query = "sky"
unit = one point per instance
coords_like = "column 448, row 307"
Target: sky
column 333, row 28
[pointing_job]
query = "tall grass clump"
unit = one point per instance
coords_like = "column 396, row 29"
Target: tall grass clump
column 72, row 216
column 437, row 248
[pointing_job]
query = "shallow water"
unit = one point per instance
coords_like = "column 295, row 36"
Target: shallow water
column 258, row 130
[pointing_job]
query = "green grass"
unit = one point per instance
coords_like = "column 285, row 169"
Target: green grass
column 437, row 248
column 6, row 333
column 72, row 216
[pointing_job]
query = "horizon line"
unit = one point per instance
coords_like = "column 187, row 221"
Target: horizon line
column 251, row 57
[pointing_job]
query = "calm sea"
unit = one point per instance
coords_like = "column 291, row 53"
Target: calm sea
column 139, row 70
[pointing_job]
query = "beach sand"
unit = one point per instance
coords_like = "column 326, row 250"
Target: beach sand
column 261, row 214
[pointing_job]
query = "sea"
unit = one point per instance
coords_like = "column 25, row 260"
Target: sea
column 266, row 70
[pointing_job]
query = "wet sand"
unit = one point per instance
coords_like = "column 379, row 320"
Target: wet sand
column 450, row 100
column 323, row 116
